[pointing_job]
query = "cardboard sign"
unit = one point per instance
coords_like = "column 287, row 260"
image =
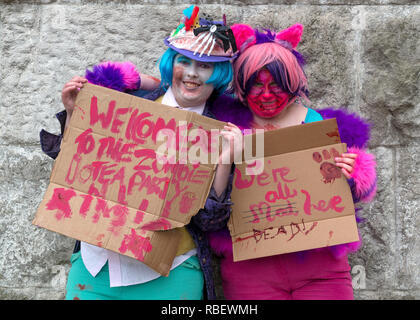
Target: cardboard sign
column 300, row 201
column 107, row 186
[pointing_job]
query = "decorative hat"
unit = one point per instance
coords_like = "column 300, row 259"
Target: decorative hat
column 201, row 39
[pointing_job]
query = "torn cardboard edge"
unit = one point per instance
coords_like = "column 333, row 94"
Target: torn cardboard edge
column 129, row 240
column 294, row 238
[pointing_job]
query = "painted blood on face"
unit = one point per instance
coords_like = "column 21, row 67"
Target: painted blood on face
column 266, row 98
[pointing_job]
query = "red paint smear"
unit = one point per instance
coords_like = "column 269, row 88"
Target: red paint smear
column 120, row 214
column 83, row 111
column 85, row 142
column 99, row 238
column 333, row 133
column 242, row 183
column 312, row 227
column 60, row 202
column 105, row 119
column 335, row 152
column 291, row 229
column 186, row 202
column 330, row 236
column 137, row 244
column 140, row 213
column 160, row 224
column 326, row 154
column 81, row 287
column 139, row 217
column 84, row 208
column 143, row 205
column 151, row 77
column 238, row 239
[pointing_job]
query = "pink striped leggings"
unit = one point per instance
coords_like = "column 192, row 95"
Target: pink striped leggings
column 312, row 275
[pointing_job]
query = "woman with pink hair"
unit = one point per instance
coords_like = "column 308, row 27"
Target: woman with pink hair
column 272, row 91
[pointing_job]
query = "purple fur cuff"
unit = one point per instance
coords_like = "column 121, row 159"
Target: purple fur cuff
column 364, row 174
column 340, row 250
column 120, row 76
column 221, row 242
column 354, row 131
column 227, row 109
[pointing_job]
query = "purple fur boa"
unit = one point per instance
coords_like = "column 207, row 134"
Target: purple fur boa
column 120, row 76
column 354, row 131
column 232, row 110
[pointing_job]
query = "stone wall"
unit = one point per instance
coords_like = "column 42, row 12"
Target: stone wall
column 362, row 55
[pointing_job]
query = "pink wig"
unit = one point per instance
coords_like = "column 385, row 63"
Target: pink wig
column 257, row 56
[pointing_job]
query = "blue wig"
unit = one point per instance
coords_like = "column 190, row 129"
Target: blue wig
column 221, row 77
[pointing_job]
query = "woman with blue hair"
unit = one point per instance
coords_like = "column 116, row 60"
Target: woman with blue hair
column 195, row 71
column 220, row 77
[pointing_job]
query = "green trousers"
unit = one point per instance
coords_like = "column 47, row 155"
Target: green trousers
column 185, row 282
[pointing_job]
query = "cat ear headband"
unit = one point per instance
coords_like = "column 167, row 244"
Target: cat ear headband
column 246, row 36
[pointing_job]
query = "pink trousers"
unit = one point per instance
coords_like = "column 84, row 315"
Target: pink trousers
column 313, row 275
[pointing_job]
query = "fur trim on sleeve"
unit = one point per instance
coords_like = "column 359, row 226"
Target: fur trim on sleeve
column 338, row 251
column 354, row 131
column 120, row 76
column 228, row 109
column 221, row 242
column 364, row 174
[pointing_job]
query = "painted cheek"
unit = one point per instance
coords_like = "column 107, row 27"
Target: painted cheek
column 256, row 105
column 187, row 97
column 177, row 80
column 282, row 97
column 178, row 73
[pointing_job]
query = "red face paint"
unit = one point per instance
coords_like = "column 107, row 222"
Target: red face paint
column 266, row 99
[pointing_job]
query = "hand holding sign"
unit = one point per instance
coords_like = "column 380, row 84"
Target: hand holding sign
column 346, row 162
column 69, row 94
column 232, row 136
